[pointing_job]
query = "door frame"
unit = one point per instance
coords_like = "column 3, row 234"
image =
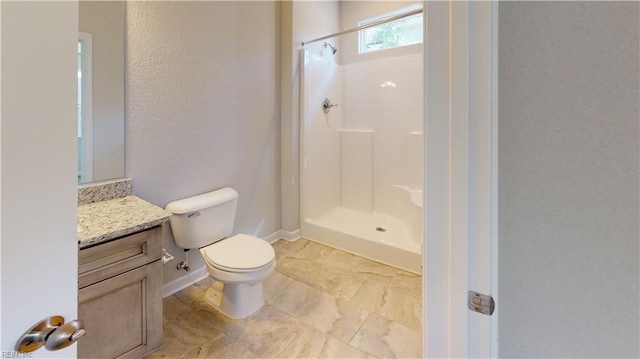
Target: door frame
column 86, row 110
column 460, row 213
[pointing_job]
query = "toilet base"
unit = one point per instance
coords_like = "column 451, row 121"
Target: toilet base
column 236, row 301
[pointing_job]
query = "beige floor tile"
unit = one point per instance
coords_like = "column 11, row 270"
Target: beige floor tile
column 221, row 347
column 387, row 339
column 336, row 349
column 321, row 303
column 410, row 285
column 193, row 297
column 283, row 247
column 269, row 331
column 318, row 275
column 312, row 250
column 317, row 345
column 183, row 330
column 300, row 341
column 274, row 284
column 322, row 311
column 404, row 309
column 391, row 302
column 356, row 264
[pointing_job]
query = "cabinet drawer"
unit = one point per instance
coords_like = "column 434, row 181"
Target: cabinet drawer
column 118, row 256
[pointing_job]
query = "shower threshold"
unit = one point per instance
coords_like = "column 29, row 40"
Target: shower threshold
column 375, row 236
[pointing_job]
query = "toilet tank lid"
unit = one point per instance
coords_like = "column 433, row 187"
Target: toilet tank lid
column 205, row 200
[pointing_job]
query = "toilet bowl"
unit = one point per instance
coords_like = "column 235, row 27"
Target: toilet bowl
column 237, row 264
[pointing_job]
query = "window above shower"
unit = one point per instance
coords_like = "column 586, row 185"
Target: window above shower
column 402, row 32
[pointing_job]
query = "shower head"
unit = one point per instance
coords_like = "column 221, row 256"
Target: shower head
column 333, row 48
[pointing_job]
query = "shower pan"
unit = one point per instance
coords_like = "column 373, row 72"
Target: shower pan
column 361, row 164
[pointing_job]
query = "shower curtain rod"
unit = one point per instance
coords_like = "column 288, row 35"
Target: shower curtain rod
column 362, row 27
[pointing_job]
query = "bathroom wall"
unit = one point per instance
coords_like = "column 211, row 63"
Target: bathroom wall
column 568, row 179
column 202, row 107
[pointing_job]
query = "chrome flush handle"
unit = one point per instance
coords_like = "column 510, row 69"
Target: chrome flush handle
column 327, row 105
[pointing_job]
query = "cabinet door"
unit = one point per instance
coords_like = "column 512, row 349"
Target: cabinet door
column 123, row 314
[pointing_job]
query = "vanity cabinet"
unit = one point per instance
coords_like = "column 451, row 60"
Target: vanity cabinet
column 120, row 296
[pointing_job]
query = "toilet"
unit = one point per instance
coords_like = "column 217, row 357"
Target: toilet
column 237, row 265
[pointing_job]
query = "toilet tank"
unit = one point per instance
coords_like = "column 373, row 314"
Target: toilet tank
column 203, row 219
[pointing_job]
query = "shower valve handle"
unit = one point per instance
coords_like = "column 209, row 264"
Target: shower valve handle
column 327, row 105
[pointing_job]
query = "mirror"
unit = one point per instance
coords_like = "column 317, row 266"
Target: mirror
column 100, row 90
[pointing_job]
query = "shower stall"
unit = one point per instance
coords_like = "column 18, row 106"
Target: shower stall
column 361, row 146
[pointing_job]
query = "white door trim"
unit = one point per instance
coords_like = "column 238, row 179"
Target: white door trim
column 460, row 177
column 86, row 112
column 436, row 269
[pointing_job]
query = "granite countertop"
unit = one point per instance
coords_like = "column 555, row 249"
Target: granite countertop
column 109, row 219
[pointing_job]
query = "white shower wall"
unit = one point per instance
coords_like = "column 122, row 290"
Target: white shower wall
column 321, row 141
column 359, row 154
column 382, row 134
column 366, row 153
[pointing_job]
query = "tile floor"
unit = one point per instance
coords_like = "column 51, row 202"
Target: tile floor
column 320, row 302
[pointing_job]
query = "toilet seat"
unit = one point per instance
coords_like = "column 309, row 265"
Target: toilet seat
column 240, row 253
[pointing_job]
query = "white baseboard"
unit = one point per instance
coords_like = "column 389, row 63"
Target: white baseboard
column 201, row 273
column 290, row 235
column 282, row 234
column 190, row 278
